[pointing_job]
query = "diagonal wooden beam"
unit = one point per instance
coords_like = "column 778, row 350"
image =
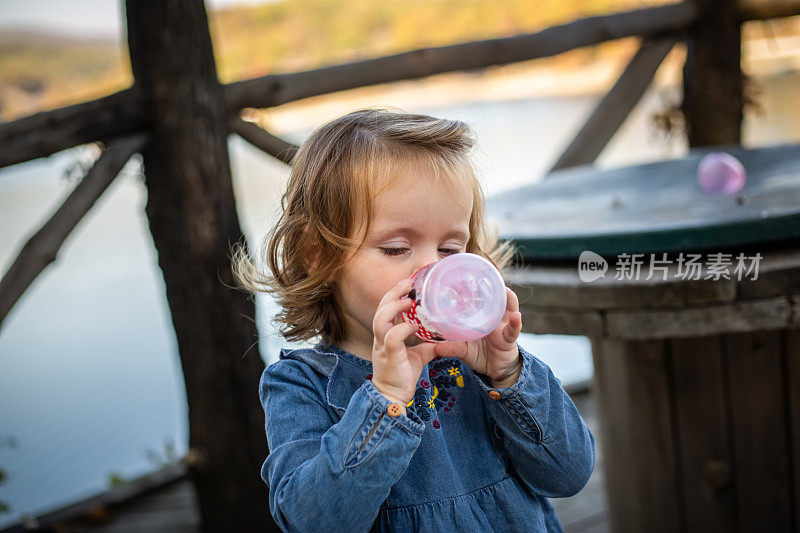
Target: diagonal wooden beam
column 42, row 248
column 615, row 106
column 262, row 139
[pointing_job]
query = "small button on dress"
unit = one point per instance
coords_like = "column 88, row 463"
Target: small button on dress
column 394, row 409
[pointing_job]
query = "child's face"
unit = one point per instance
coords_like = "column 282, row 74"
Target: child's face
column 413, row 223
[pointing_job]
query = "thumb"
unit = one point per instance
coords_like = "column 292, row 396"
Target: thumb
column 425, row 350
column 451, row 349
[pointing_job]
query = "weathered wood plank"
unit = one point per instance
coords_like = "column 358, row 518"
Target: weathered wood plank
column 792, row 353
column 548, row 286
column 702, row 434
column 83, row 511
column 760, row 440
column 561, row 321
column 747, row 315
column 634, row 397
column 155, row 520
column 125, row 112
column 778, row 273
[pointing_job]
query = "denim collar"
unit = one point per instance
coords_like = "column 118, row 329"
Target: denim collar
column 345, row 372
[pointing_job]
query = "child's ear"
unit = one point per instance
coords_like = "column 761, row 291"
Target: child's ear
column 311, row 261
column 312, row 256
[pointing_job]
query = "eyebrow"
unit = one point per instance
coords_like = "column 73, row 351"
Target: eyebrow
column 380, row 235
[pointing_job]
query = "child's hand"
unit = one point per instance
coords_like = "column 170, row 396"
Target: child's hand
column 395, row 367
column 495, row 355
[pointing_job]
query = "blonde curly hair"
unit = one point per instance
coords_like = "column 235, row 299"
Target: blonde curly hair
column 335, row 174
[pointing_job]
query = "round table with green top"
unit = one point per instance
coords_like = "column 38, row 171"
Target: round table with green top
column 692, row 304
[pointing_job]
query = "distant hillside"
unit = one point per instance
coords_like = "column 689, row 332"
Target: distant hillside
column 42, row 72
column 39, row 71
column 294, row 35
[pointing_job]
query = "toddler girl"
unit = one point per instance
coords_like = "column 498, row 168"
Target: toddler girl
column 372, row 428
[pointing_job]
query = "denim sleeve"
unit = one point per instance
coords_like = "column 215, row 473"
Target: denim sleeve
column 546, row 439
column 323, row 471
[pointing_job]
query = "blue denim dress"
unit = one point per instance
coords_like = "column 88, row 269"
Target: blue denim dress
column 466, row 457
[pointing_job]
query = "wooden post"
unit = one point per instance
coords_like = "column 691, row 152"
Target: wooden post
column 712, row 75
column 192, row 216
column 634, row 392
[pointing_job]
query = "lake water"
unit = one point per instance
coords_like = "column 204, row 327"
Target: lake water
column 90, row 381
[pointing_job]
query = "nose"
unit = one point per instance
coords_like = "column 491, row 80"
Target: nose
column 425, row 258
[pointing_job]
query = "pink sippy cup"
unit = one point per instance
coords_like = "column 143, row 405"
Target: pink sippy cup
column 460, row 298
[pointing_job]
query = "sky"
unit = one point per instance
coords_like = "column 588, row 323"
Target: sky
column 81, row 18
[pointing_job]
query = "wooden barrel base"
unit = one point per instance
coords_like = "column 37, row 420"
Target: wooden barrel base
column 701, row 433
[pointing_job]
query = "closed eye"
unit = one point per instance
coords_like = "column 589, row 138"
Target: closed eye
column 400, row 251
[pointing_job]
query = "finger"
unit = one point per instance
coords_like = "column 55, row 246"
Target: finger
column 426, row 352
column 392, row 295
column 396, row 292
column 451, row 349
column 514, row 327
column 387, row 316
column 512, row 302
column 393, row 342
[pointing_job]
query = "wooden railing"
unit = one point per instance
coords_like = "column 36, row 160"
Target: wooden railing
column 132, row 121
column 124, row 113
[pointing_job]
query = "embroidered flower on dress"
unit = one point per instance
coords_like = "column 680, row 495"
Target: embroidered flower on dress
column 445, row 378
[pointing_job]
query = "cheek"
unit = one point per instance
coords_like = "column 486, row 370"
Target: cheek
column 368, row 288
column 375, row 288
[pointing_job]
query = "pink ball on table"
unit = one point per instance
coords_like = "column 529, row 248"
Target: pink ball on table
column 719, row 172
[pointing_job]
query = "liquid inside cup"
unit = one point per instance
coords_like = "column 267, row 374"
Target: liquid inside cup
column 464, row 297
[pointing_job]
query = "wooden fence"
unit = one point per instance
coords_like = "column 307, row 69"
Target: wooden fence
column 178, row 116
